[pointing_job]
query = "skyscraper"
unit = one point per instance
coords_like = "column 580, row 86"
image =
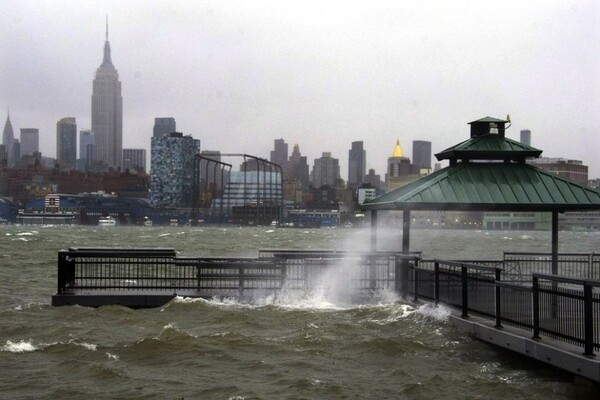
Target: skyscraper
column 87, row 150
column 357, row 164
column 134, row 159
column 421, row 154
column 326, row 171
column 164, row 126
column 297, row 168
column 8, row 138
column 279, row 156
column 107, row 112
column 172, row 169
column 30, row 140
column 526, row 137
column 66, row 143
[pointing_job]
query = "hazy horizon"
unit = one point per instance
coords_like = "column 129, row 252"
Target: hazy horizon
column 237, row 75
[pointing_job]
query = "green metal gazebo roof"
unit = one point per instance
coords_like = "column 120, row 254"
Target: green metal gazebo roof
column 489, row 147
column 489, row 187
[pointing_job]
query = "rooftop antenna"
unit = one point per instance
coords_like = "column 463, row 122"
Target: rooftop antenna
column 107, row 27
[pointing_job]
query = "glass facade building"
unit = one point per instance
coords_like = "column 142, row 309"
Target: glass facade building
column 172, row 170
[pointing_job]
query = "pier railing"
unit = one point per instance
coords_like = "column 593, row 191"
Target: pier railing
column 135, row 270
column 86, row 270
column 358, row 273
column 575, row 265
column 558, row 307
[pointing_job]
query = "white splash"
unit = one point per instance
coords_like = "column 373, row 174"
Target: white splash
column 18, row 347
column 88, row 346
column 439, row 313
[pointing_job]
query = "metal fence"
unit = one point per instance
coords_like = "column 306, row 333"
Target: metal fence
column 521, row 266
column 559, row 307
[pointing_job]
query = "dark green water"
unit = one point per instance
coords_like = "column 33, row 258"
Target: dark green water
column 286, row 349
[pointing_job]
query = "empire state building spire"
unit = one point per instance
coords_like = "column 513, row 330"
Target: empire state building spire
column 106, row 59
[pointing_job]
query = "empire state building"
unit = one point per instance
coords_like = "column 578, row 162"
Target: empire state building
column 107, row 113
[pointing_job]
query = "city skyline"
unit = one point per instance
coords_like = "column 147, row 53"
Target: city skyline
column 407, row 73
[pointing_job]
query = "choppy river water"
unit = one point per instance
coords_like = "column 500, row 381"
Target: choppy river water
column 310, row 348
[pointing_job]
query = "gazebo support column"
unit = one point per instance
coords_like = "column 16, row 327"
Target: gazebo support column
column 373, row 231
column 405, row 250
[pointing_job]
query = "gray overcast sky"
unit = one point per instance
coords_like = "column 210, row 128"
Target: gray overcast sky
column 239, row 74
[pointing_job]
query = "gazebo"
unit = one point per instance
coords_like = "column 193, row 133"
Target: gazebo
column 487, row 172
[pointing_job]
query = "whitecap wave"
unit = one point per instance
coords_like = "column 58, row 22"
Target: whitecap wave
column 438, row 313
column 23, row 346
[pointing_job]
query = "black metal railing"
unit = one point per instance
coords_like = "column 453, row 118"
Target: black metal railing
column 558, row 307
column 521, row 265
column 108, row 269
column 358, row 272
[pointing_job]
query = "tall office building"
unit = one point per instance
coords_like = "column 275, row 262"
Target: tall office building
column 107, row 112
column 279, row 156
column 421, row 154
column 526, row 137
column 326, row 171
column 66, row 143
column 164, row 126
column 357, row 164
column 172, row 169
column 8, row 138
column 87, row 150
column 30, row 141
column 297, row 168
column 134, row 159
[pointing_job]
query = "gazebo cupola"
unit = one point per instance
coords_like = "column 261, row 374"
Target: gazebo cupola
column 488, row 143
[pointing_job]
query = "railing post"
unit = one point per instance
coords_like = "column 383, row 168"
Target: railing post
column 66, row 271
column 404, row 278
column 498, row 300
column 241, row 281
column 61, row 279
column 536, row 307
column 415, row 285
column 465, row 292
column 397, row 276
column 588, row 311
column 436, row 282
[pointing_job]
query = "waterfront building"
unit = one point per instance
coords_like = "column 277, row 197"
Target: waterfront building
column 279, row 156
column 8, row 139
column 30, row 141
column 326, row 171
column 357, row 164
column 421, row 154
column 164, row 126
column 172, row 163
column 256, row 195
column 574, row 170
column 107, row 112
column 66, row 143
column 134, row 159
